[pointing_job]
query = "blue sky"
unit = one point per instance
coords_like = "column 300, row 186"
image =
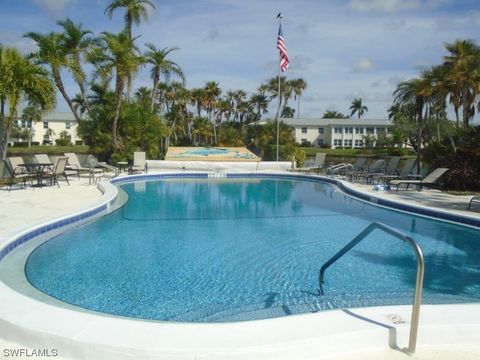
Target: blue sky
column 343, row 49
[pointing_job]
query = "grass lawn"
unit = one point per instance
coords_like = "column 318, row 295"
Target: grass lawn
column 46, row 149
column 311, row 151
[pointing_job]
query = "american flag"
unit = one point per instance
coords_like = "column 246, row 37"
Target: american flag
column 284, row 62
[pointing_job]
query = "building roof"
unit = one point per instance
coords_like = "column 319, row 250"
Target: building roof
column 59, row 116
column 325, row 122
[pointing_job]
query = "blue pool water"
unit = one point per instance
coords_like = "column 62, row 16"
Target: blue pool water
column 238, row 249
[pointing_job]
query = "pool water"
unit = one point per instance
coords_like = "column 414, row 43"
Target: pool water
column 238, row 249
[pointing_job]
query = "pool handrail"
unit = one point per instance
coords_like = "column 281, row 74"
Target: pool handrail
column 417, row 299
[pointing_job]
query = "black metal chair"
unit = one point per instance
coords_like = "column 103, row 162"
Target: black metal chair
column 16, row 174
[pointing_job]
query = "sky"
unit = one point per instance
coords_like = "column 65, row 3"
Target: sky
column 343, row 49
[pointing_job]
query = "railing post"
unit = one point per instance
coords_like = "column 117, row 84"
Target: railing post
column 417, row 298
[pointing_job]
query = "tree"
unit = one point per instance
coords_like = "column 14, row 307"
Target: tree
column 161, row 66
column 51, row 51
column 135, row 10
column 20, row 79
column 288, row 112
column 32, row 114
column 332, row 114
column 118, row 55
column 358, row 107
column 76, row 43
column 259, row 102
column 298, row 86
column 212, row 93
column 274, row 85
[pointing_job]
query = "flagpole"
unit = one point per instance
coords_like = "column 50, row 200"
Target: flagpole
column 279, row 94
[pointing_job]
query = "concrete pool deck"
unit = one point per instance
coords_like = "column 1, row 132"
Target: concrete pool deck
column 446, row 331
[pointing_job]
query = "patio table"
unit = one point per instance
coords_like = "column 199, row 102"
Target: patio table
column 37, row 170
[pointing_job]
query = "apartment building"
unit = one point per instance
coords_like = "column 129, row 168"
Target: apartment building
column 346, row 133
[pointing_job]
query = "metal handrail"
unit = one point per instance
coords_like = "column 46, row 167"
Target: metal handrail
column 336, row 168
column 417, row 299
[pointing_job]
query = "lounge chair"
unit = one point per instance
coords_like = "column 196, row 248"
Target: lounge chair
column 139, row 163
column 74, row 164
column 374, row 168
column 403, row 174
column 317, row 165
column 44, row 159
column 391, row 169
column 430, row 180
column 59, row 170
column 16, row 173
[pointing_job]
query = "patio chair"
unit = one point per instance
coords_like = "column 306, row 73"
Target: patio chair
column 44, row 159
column 403, row 174
column 74, row 164
column 430, row 180
column 59, row 170
column 16, row 173
column 139, row 163
column 317, row 165
column 391, row 169
column 374, row 168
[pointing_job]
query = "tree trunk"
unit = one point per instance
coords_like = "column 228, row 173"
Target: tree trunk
column 156, row 82
column 119, row 86
column 298, row 107
column 61, row 88
column 3, row 134
column 81, row 83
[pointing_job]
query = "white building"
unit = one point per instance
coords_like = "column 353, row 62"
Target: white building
column 51, row 128
column 347, row 133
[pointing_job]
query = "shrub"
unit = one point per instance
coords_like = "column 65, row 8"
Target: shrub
column 299, row 157
column 63, row 142
column 20, row 144
column 463, row 165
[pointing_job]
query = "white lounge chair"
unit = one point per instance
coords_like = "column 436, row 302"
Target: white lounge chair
column 139, row 163
column 74, row 164
column 317, row 165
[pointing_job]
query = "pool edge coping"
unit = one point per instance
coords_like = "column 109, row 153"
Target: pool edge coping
column 110, row 194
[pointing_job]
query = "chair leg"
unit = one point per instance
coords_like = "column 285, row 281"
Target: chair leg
column 64, row 174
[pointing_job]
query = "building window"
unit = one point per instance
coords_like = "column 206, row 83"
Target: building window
column 320, row 130
column 303, row 141
column 347, row 143
column 358, row 143
column 359, row 130
column 348, row 130
column 67, row 125
column 304, row 130
column 370, row 130
column 320, row 142
column 45, row 124
column 338, row 130
column 337, row 142
column 380, row 130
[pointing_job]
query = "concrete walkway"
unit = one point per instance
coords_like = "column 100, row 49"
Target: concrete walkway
column 22, row 208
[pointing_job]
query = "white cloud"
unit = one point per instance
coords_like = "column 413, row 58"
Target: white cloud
column 364, row 65
column 383, row 5
column 54, row 7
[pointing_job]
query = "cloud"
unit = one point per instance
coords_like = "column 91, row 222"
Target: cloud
column 213, row 34
column 363, row 65
column 383, row 5
column 54, row 7
column 301, row 62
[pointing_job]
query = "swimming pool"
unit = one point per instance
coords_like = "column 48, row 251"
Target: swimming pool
column 238, row 249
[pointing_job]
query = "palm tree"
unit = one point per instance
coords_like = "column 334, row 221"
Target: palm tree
column 21, row 80
column 260, row 103
column 161, row 66
column 298, row 86
column 285, row 91
column 135, row 10
column 33, row 114
column 76, row 43
column 117, row 55
column 212, row 93
column 463, row 62
column 358, row 107
column 288, row 112
column 52, row 52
